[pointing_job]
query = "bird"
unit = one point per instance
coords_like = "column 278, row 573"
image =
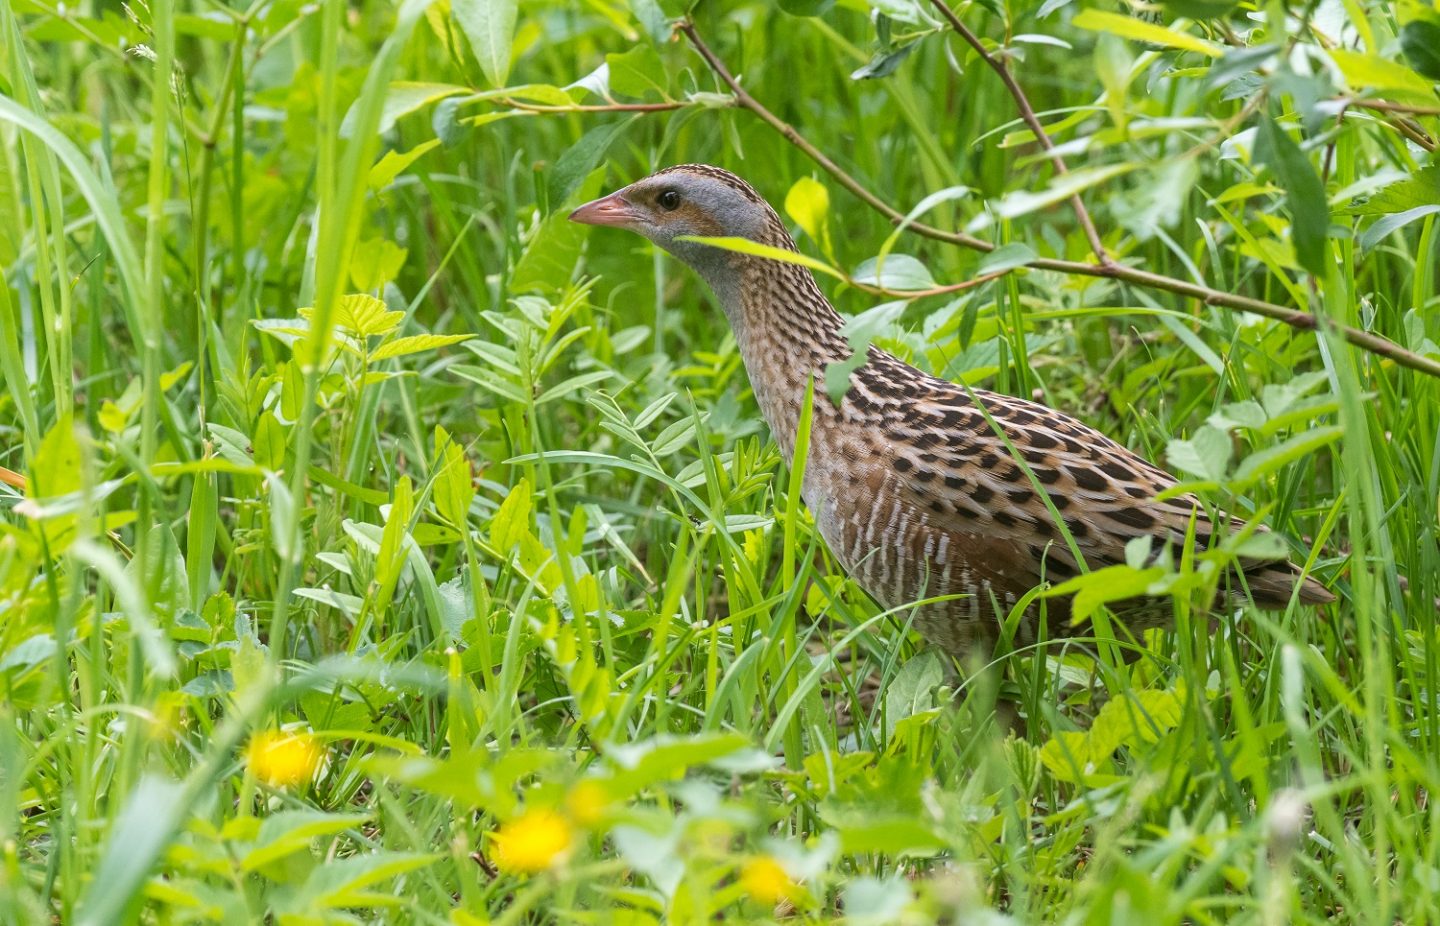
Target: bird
column 915, row 493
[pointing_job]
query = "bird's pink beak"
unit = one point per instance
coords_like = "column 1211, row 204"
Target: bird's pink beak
column 608, row 210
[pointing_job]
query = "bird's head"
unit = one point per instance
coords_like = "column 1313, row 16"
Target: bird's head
column 692, row 200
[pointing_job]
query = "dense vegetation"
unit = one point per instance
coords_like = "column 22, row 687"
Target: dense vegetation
column 391, row 549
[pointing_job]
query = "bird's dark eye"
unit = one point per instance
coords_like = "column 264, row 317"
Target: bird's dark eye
column 669, row 200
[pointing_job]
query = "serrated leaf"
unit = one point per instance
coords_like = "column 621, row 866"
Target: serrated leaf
column 415, row 344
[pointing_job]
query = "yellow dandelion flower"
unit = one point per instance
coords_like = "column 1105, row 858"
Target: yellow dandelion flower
column 533, row 841
column 766, row 881
column 283, row 758
column 587, row 802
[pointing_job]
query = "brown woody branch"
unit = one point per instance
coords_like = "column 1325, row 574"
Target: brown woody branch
column 1027, row 113
column 1296, row 318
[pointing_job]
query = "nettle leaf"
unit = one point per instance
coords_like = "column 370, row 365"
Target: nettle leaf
column 1304, row 193
column 489, row 26
column 1421, row 188
column 637, row 72
column 416, row 344
column 358, row 313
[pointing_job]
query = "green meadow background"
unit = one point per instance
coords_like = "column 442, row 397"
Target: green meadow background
column 391, row 550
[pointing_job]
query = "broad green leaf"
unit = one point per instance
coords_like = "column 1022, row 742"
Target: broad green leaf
column 1139, row 30
column 1205, row 455
column 1006, row 257
column 401, row 99
column 1421, row 188
column 365, row 316
column 375, row 262
column 512, row 520
column 579, row 160
column 1362, row 71
column 1260, row 464
column 489, row 25
column 1420, row 40
column 1383, row 226
column 808, row 203
column 637, row 72
column 899, row 272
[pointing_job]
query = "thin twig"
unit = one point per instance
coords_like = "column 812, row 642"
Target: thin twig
column 1114, row 271
column 1027, row 113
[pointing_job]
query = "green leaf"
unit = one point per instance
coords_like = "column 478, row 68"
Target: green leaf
column 1380, row 73
column 1022, row 202
column 1200, row 9
column 806, row 7
column 1382, row 227
column 1420, row 41
column 146, row 823
column 1006, row 257
column 1304, row 193
column 1206, row 455
column 489, row 26
column 579, row 160
column 1258, row 465
column 375, row 262
column 512, row 521
column 415, row 344
column 637, row 72
column 401, row 99
column 1421, row 188
column 899, row 272
column 1138, row 30
column 290, row 831
column 808, row 204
